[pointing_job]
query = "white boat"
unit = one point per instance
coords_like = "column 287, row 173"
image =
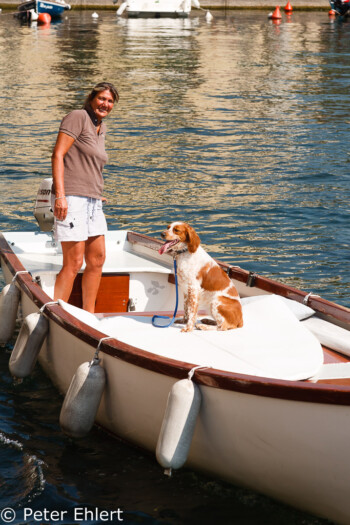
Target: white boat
column 156, row 8
column 275, row 395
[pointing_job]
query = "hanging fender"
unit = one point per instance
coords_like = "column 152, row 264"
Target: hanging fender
column 178, row 425
column 82, row 399
column 122, row 8
column 28, row 344
column 9, row 301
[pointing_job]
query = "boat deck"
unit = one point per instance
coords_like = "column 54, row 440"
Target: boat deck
column 273, row 343
column 117, row 262
column 39, row 254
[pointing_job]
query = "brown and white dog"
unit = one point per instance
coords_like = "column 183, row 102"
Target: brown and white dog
column 201, row 280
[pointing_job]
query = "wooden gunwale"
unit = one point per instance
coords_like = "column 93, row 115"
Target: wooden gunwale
column 260, row 386
column 321, row 306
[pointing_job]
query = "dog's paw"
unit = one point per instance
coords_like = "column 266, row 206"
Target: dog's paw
column 187, row 328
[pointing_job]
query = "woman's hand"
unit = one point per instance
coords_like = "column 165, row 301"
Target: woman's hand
column 61, row 208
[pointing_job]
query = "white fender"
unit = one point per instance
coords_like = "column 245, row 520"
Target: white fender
column 29, row 342
column 121, row 8
column 178, row 424
column 9, row 301
column 33, row 15
column 82, row 399
column 196, row 4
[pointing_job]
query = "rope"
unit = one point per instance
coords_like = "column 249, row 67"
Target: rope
column 99, row 344
column 47, row 304
column 176, row 306
column 17, row 273
column 192, row 371
column 307, row 297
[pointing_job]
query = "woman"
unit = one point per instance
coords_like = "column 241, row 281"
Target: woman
column 77, row 162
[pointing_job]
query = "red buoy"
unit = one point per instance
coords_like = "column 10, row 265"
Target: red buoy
column 44, row 18
column 276, row 15
column 288, row 8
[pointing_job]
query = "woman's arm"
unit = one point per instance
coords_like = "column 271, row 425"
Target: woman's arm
column 63, row 143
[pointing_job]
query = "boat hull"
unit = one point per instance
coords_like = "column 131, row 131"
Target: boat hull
column 54, row 9
column 158, row 8
column 285, row 449
column 341, row 7
column 285, row 439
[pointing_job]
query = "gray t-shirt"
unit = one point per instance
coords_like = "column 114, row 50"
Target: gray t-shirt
column 85, row 159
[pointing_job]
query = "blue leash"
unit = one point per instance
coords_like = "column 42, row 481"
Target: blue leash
column 176, row 305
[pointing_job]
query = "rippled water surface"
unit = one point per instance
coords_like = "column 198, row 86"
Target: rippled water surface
column 240, row 127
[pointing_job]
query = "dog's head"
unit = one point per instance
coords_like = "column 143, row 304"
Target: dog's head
column 179, row 236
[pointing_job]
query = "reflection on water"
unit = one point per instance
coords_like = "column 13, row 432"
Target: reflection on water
column 239, row 127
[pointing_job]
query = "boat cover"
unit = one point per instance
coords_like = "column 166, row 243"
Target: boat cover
column 273, row 343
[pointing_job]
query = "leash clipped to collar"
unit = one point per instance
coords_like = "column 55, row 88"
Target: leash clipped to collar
column 176, row 305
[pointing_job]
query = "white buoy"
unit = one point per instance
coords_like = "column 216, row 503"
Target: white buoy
column 29, row 342
column 208, row 16
column 178, row 425
column 82, row 399
column 94, row 15
column 121, row 8
column 9, row 301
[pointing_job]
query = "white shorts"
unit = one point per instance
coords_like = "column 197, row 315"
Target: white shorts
column 85, row 218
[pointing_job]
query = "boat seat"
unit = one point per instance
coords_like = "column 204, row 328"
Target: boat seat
column 332, row 371
column 329, row 335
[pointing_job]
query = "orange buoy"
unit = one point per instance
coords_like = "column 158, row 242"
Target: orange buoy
column 276, row 15
column 332, row 12
column 288, row 8
column 44, row 18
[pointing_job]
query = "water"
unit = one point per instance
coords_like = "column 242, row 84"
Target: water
column 239, row 127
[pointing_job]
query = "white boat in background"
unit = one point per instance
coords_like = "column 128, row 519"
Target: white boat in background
column 157, row 8
column 272, row 411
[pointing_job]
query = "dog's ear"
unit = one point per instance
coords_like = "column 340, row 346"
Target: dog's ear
column 192, row 238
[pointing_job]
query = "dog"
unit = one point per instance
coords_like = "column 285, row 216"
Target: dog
column 201, row 280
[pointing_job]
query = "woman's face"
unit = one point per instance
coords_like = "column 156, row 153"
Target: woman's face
column 102, row 104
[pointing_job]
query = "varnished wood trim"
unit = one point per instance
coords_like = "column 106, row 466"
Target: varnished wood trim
column 322, row 306
column 144, row 240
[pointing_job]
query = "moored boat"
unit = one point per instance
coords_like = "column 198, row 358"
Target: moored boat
column 55, row 8
column 341, row 7
column 275, row 395
column 156, row 8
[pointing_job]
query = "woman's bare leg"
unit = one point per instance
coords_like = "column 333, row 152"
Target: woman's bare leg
column 95, row 254
column 73, row 256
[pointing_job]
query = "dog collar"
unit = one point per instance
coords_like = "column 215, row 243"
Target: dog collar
column 180, row 252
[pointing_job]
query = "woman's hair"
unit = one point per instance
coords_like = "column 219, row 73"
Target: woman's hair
column 102, row 86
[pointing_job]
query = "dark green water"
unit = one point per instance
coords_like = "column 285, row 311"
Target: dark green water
column 240, row 127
